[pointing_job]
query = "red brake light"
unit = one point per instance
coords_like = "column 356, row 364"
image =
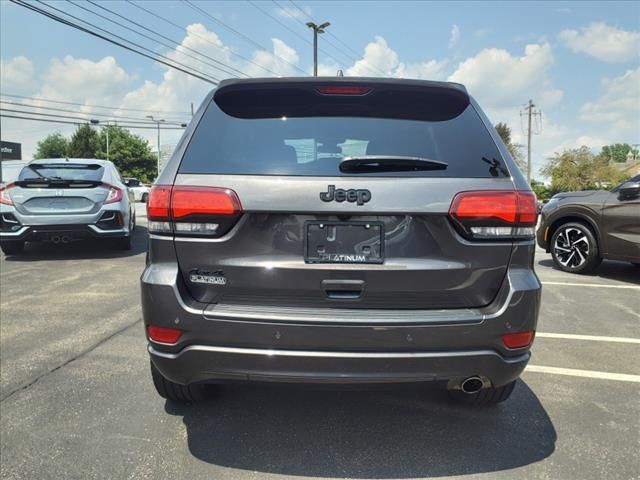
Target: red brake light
column 488, row 214
column 518, row 340
column 343, row 90
column 201, row 201
column 528, row 208
column 487, row 205
column 4, row 194
column 114, row 195
column 187, row 210
column 163, row 334
column 159, row 202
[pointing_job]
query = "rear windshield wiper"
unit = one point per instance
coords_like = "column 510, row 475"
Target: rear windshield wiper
column 389, row 163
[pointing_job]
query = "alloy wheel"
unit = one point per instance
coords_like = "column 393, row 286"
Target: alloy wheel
column 571, row 247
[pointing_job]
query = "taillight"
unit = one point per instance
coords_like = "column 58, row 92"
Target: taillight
column 4, row 194
column 518, row 340
column 186, row 210
column 489, row 214
column 163, row 334
column 114, row 195
column 343, row 90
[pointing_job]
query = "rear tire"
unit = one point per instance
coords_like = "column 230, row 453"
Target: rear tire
column 486, row 396
column 574, row 248
column 144, row 198
column 174, row 391
column 12, row 247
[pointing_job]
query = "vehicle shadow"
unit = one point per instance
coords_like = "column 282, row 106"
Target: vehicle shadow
column 608, row 270
column 81, row 249
column 406, row 432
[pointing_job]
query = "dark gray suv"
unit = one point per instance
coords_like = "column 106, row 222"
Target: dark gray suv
column 340, row 230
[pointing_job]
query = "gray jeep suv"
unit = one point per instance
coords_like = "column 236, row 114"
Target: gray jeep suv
column 340, row 230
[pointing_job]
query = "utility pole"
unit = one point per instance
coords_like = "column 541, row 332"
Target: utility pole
column 93, row 121
column 191, row 109
column 530, row 113
column 317, row 29
column 157, row 122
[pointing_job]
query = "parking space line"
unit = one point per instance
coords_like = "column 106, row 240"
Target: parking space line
column 572, row 372
column 601, row 285
column 593, row 338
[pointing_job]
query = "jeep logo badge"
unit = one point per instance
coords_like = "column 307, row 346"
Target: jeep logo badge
column 360, row 196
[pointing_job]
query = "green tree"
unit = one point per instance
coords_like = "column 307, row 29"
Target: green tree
column 579, row 169
column 515, row 149
column 84, row 143
column 52, row 146
column 618, row 152
column 130, row 153
column 541, row 190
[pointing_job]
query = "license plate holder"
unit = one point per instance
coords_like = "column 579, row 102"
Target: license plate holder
column 344, row 242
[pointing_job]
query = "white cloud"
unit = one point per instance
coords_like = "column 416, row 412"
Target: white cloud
column 603, row 42
column 619, row 107
column 16, row 75
column 379, row 58
column 293, row 13
column 455, row 36
column 501, row 80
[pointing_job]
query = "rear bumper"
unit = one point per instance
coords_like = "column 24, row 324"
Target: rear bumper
column 201, row 363
column 34, row 233
column 225, row 343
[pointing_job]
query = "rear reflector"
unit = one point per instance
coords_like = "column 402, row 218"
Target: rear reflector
column 187, row 210
column 163, row 334
column 496, row 214
column 343, row 90
column 518, row 340
column 4, row 194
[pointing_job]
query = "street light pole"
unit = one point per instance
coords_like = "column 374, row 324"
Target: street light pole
column 157, row 122
column 317, row 29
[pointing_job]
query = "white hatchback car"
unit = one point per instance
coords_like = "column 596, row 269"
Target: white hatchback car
column 140, row 190
column 61, row 200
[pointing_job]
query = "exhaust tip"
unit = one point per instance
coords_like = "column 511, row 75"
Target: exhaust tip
column 65, row 239
column 472, row 385
column 55, row 239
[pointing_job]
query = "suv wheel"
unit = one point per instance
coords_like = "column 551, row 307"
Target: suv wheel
column 176, row 392
column 486, row 396
column 574, row 248
column 12, row 247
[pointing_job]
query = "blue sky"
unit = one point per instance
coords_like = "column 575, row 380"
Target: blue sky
column 579, row 61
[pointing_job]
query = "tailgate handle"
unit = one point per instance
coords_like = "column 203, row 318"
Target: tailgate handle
column 343, row 289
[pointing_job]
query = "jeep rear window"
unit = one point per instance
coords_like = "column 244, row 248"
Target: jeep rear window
column 315, row 145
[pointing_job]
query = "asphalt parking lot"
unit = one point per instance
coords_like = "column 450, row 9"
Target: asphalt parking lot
column 77, row 399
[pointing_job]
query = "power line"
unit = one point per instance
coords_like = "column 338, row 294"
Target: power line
column 240, row 34
column 92, row 106
column 58, row 115
column 357, row 57
column 131, row 127
column 160, row 17
column 153, row 57
column 93, row 114
column 229, row 70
